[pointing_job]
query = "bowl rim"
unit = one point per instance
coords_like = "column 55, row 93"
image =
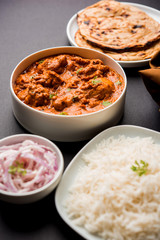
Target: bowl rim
column 57, row 174
column 65, row 47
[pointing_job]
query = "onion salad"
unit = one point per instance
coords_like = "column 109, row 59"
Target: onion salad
column 26, row 166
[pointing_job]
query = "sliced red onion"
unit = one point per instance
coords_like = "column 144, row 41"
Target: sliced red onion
column 33, row 165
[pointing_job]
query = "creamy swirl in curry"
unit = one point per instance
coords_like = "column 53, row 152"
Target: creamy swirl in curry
column 68, row 85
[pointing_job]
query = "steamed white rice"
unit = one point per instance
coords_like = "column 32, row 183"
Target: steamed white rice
column 109, row 199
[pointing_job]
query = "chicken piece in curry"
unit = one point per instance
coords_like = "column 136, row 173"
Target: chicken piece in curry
column 68, row 85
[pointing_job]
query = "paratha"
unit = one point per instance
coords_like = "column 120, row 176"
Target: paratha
column 114, row 25
column 144, row 53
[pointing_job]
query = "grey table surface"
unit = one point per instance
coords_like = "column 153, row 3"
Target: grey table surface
column 27, row 26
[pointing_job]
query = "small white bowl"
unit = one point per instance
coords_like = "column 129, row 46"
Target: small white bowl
column 35, row 195
column 67, row 128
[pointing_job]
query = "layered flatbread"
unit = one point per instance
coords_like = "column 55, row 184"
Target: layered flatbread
column 117, row 26
column 144, row 53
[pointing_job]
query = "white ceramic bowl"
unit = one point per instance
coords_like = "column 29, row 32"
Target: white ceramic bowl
column 32, row 196
column 63, row 127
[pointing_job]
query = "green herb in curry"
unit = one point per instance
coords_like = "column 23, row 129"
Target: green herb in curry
column 79, row 70
column 63, row 113
column 52, row 95
column 118, row 83
column 41, row 61
column 33, row 76
column 96, row 81
column 68, row 89
column 106, row 103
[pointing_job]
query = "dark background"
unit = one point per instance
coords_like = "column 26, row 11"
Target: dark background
column 27, row 26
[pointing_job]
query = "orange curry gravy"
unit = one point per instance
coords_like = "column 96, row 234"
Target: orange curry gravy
column 68, row 85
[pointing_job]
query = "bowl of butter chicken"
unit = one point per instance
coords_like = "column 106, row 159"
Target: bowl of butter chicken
column 68, row 93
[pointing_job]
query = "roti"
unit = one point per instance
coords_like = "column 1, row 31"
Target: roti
column 117, row 26
column 144, row 53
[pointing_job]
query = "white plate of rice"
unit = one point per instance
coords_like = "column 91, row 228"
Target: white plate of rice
column 102, row 196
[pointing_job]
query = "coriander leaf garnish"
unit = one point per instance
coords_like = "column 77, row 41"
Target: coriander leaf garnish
column 106, row 103
column 95, row 77
column 140, row 168
column 33, row 76
column 63, row 113
column 41, row 61
column 17, row 168
column 79, row 70
column 96, row 81
column 118, row 83
column 12, row 169
column 68, row 89
column 52, row 95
